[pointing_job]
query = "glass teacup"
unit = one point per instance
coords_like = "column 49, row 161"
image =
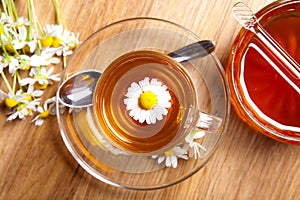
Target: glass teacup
column 146, row 103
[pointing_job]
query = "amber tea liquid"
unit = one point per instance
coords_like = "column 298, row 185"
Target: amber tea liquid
column 116, row 124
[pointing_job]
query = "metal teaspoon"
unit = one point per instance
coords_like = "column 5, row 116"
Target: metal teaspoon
column 77, row 91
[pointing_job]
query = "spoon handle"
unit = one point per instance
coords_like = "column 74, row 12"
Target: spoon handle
column 193, row 51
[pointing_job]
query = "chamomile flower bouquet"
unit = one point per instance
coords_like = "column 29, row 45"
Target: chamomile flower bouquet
column 30, row 54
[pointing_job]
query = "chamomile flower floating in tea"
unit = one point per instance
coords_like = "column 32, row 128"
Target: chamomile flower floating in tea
column 147, row 100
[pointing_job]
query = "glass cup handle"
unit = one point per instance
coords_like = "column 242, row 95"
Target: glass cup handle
column 210, row 123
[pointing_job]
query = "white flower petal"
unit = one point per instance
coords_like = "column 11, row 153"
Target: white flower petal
column 174, row 161
column 165, row 104
column 158, row 112
column 160, row 159
column 40, row 109
column 132, row 104
column 148, row 120
column 168, row 161
column 26, row 81
column 144, row 82
column 134, row 91
column 142, row 116
column 13, row 116
column 179, row 150
column 39, row 122
column 162, row 109
column 152, row 116
column 199, row 134
column 37, row 93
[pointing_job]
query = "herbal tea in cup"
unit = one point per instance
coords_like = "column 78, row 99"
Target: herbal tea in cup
column 145, row 103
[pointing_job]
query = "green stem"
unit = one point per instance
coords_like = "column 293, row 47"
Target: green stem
column 34, row 22
column 29, row 35
column 40, row 28
column 9, row 9
column 14, row 81
column 13, row 8
column 6, row 82
column 34, row 18
column 64, row 61
column 4, row 6
column 19, row 80
column 59, row 19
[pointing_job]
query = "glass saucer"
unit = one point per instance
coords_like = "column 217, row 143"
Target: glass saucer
column 110, row 164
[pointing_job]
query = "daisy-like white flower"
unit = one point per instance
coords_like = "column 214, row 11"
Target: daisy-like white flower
column 12, row 100
column 53, row 35
column 196, row 147
column 22, row 110
column 44, row 111
column 59, row 40
column 147, row 100
column 171, row 157
column 22, row 103
column 41, row 77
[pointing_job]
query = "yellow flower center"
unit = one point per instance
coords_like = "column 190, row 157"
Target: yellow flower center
column 28, row 97
column 56, row 42
column 9, row 48
column 44, row 114
column 25, row 67
column 1, row 30
column 72, row 46
column 10, row 102
column 169, row 153
column 47, row 41
column 40, row 86
column 148, row 100
column 26, row 48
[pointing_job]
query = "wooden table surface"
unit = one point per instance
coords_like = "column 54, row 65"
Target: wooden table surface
column 35, row 164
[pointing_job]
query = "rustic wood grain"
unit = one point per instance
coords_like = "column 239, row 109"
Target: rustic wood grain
column 35, row 164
